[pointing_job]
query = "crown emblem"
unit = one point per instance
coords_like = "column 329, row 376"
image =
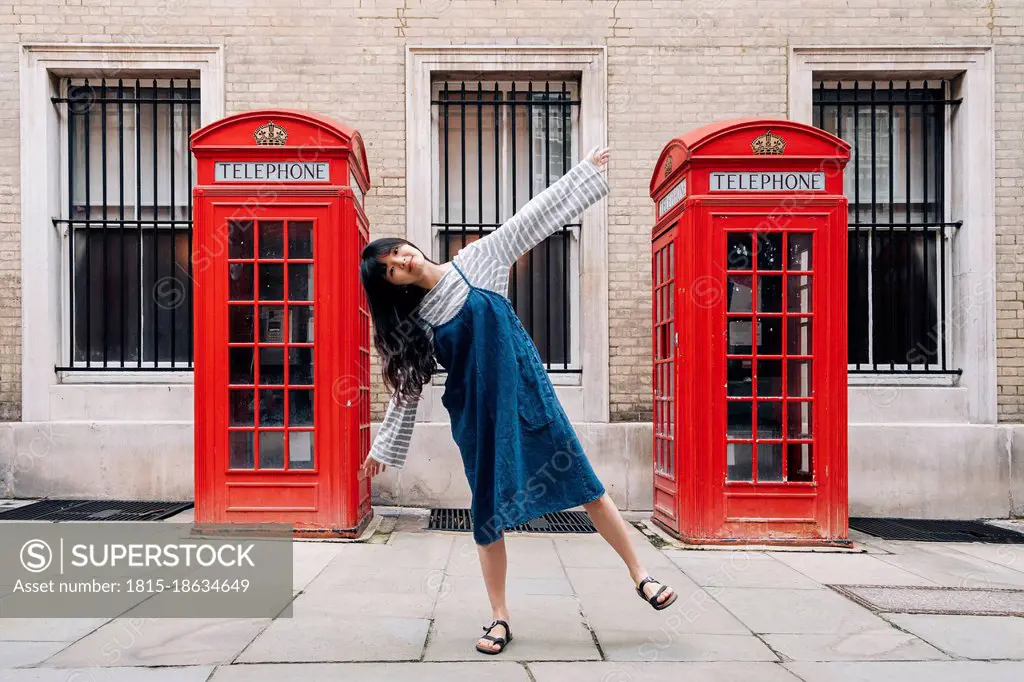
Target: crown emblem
column 769, row 143
column 270, row 134
column 668, row 165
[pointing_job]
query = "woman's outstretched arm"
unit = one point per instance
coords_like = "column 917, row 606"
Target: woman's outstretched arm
column 391, row 445
column 583, row 185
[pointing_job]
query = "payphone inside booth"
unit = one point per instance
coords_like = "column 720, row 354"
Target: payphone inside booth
column 282, row 351
column 749, row 334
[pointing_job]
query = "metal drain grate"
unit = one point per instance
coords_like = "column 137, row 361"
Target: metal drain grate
column 560, row 522
column 557, row 522
column 936, row 530
column 94, row 510
column 450, row 519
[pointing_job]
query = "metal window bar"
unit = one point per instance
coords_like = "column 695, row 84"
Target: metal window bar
column 512, row 120
column 899, row 261
column 129, row 265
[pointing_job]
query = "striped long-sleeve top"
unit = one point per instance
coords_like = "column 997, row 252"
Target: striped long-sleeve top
column 486, row 263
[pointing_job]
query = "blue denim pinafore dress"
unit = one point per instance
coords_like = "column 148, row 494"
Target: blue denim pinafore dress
column 521, row 456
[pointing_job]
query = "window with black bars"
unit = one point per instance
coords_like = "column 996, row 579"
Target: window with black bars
column 127, row 222
column 899, row 222
column 496, row 145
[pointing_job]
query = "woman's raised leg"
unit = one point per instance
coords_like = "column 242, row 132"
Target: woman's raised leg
column 612, row 527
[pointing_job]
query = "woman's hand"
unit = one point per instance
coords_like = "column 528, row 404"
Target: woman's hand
column 372, row 467
column 600, row 157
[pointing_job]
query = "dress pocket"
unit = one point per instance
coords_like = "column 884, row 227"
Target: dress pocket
column 453, row 396
column 536, row 398
column 454, row 400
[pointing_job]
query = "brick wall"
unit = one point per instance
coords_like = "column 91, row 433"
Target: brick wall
column 1008, row 37
column 672, row 66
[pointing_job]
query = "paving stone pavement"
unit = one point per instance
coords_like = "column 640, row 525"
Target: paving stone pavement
column 408, row 606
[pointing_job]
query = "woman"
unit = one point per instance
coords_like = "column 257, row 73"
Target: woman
column 520, row 454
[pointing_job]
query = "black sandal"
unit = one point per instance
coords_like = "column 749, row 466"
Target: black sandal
column 653, row 600
column 500, row 641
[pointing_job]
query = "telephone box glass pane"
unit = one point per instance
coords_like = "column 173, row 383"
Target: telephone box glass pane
column 272, row 282
column 271, row 239
column 740, row 342
column 664, row 341
column 301, row 317
column 659, row 346
column 799, row 379
column 240, row 324
column 670, row 419
column 271, row 366
column 738, row 294
column 769, row 293
column 769, row 420
column 798, row 293
column 271, row 449
column 241, row 451
column 740, row 461
column 798, row 335
column 799, row 462
column 658, row 428
column 300, row 366
column 240, row 366
column 271, row 324
column 739, row 381
column 769, row 336
column 240, row 285
column 242, row 406
column 300, row 239
column 300, row 450
column 300, row 407
column 271, row 407
column 739, row 251
column 300, row 282
column 800, row 251
column 240, row 240
column 799, row 422
column 769, row 461
column 769, row 251
column 769, row 378
column 740, row 419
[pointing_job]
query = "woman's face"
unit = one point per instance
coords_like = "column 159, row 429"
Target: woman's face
column 404, row 264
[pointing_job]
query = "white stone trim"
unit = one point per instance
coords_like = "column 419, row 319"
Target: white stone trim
column 588, row 401
column 42, row 184
column 880, row 379
column 128, row 376
column 971, row 296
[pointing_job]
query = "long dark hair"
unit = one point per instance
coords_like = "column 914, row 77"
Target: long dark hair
column 406, row 352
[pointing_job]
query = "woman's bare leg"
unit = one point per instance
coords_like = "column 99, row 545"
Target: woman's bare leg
column 612, row 527
column 494, row 564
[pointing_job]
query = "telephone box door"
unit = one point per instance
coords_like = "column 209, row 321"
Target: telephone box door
column 774, row 448
column 667, row 446
column 263, row 307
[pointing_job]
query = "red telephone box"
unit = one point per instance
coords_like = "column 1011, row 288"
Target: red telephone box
column 749, row 334
column 282, row 344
